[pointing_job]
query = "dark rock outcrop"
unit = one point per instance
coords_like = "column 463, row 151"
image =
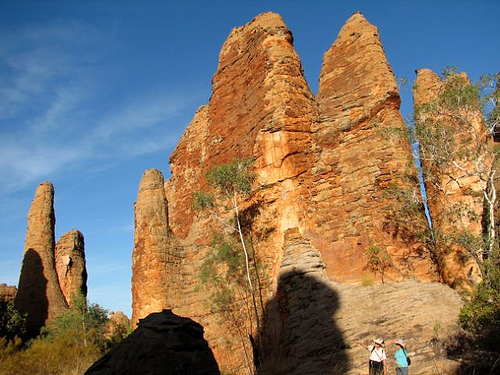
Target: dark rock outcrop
column 163, row 343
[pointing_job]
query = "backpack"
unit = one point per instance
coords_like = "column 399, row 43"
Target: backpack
column 408, row 360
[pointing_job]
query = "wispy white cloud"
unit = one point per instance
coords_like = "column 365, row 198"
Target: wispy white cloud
column 25, row 160
column 34, row 59
column 141, row 125
column 49, row 120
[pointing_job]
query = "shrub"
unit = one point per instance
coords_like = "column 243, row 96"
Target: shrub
column 12, row 322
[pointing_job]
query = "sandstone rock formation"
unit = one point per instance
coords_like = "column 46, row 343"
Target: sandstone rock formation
column 455, row 197
column 7, row 292
column 163, row 344
column 363, row 162
column 335, row 179
column 301, row 331
column 40, row 293
column 117, row 326
column 316, row 326
column 70, row 265
column 423, row 314
column 150, row 257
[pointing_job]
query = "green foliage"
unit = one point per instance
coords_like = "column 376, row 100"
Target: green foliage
column 454, row 144
column 232, row 178
column 62, row 355
column 203, row 200
column 68, row 345
column 223, row 272
column 491, row 106
column 377, row 261
column 481, row 314
column 86, row 322
column 444, row 128
column 12, row 322
column 480, row 318
column 228, row 270
column 458, row 93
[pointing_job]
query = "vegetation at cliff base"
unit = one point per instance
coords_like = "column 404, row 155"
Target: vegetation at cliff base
column 12, row 322
column 457, row 133
column 68, row 345
column 231, row 269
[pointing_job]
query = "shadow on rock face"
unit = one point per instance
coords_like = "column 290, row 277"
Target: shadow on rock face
column 31, row 297
column 300, row 334
column 163, row 343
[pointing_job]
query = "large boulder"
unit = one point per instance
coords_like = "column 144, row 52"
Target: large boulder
column 163, row 343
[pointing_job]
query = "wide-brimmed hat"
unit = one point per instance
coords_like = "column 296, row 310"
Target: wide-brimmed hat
column 400, row 342
column 379, row 341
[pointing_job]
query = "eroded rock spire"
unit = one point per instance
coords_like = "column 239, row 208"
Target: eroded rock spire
column 149, row 289
column 70, row 265
column 39, row 294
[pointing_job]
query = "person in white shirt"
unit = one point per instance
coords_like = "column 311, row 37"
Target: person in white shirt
column 378, row 358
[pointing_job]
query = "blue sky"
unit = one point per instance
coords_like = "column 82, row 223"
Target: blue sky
column 92, row 93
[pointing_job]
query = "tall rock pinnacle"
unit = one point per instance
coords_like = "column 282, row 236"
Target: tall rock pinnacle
column 149, row 290
column 261, row 106
column 363, row 156
column 356, row 80
column 70, row 265
column 39, row 294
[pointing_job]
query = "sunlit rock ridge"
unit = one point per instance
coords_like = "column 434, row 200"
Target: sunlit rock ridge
column 331, row 171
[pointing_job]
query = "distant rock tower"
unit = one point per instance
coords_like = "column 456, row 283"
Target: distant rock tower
column 40, row 294
column 70, row 265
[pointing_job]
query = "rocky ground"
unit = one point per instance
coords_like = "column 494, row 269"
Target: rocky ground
column 423, row 314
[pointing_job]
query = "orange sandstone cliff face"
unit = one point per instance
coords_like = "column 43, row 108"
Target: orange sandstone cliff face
column 455, row 198
column 362, row 158
column 329, row 171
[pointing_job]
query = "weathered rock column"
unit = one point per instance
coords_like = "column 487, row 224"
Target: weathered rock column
column 39, row 294
column 70, row 265
column 364, row 168
column 149, row 259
